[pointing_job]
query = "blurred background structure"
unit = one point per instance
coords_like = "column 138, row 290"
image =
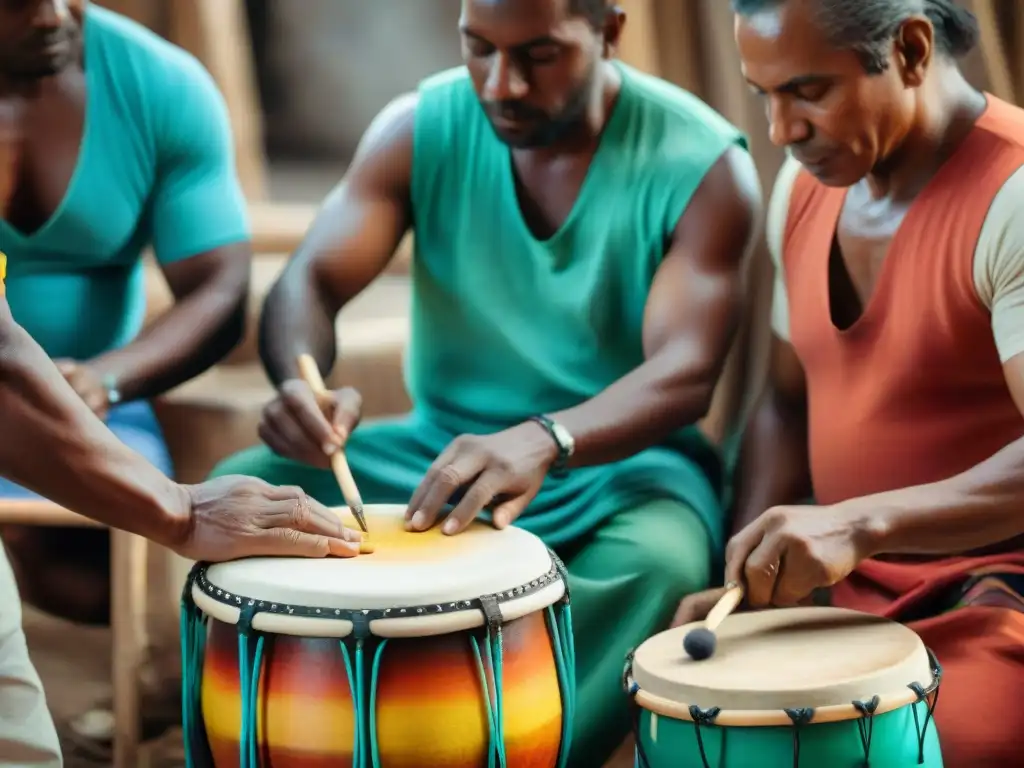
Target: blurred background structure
column 302, row 80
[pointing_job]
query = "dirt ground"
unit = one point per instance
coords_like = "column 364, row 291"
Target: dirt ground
column 74, row 663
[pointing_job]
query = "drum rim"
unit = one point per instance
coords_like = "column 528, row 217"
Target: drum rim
column 198, row 579
column 754, row 718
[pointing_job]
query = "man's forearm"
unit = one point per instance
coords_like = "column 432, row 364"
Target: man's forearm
column 297, row 319
column 773, row 463
column 976, row 509
column 638, row 411
column 191, row 337
column 50, row 442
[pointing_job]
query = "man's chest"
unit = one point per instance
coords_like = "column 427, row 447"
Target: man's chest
column 857, row 258
column 46, row 152
column 78, row 182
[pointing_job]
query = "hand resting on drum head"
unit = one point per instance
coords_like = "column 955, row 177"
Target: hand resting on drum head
column 786, row 555
column 299, row 425
column 235, row 517
column 502, row 471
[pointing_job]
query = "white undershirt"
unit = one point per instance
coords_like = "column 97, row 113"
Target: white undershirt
column 998, row 259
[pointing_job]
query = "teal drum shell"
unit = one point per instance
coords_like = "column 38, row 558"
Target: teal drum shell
column 665, row 742
column 873, row 735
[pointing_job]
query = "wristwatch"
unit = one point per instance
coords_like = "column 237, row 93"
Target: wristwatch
column 110, row 387
column 565, row 442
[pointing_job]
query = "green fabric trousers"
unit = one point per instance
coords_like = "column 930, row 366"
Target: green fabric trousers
column 626, row 578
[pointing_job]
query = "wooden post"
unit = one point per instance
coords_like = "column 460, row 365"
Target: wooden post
column 216, row 32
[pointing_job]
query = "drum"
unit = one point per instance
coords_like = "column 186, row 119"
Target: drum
column 447, row 651
column 809, row 687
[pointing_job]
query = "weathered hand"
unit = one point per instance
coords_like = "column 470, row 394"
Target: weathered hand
column 88, row 384
column 301, row 426
column 233, row 517
column 788, row 552
column 506, row 469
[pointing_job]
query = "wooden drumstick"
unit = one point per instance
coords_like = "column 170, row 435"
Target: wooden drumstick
column 311, row 375
column 700, row 642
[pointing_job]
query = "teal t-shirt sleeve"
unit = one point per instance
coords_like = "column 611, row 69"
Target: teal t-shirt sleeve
column 197, row 202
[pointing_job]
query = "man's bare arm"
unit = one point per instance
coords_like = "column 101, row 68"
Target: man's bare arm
column 977, row 509
column 773, row 465
column 691, row 318
column 53, row 444
column 206, row 322
column 350, row 243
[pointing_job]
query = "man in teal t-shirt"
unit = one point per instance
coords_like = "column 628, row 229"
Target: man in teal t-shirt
column 581, row 230
column 121, row 141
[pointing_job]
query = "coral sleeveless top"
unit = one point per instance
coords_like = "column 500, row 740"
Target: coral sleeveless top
column 914, row 391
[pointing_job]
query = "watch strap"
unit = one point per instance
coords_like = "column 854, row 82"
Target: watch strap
column 560, row 466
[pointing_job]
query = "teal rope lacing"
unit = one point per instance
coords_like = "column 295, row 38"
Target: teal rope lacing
column 488, row 653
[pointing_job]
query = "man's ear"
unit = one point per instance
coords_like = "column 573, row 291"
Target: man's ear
column 614, row 22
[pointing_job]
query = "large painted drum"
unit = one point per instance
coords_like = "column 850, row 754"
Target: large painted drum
column 450, row 652
column 788, row 688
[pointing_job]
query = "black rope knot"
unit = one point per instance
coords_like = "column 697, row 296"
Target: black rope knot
column 704, row 716
column 801, row 716
column 867, row 708
column 866, row 726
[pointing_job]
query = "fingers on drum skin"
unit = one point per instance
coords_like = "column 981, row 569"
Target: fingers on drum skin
column 441, row 481
column 289, row 542
column 297, row 509
column 509, row 511
column 480, row 494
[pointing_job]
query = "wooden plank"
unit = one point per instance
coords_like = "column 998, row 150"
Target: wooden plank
column 42, row 513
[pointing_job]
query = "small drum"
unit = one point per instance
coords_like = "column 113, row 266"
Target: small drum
column 811, row 687
column 432, row 651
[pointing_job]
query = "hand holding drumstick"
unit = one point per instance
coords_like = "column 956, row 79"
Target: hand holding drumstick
column 311, row 374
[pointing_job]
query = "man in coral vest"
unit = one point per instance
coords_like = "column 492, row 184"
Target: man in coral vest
column 897, row 365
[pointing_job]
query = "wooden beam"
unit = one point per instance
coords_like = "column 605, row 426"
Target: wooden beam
column 993, row 51
column 639, row 44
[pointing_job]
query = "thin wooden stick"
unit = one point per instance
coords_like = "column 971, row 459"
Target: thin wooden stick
column 726, row 605
column 311, row 374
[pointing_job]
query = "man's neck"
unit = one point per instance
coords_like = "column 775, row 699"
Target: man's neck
column 586, row 133
column 948, row 110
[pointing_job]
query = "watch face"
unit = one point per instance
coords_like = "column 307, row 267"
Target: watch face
column 566, row 440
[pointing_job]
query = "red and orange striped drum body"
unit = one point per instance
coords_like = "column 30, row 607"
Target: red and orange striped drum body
column 451, row 652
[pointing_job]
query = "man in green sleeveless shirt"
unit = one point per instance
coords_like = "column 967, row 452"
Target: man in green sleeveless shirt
column 581, row 230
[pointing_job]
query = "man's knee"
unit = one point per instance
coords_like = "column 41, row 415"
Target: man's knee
column 251, row 462
column 672, row 548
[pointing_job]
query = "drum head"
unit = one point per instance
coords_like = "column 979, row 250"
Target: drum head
column 407, row 575
column 786, row 659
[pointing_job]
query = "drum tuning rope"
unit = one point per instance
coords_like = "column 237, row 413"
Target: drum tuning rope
column 362, row 653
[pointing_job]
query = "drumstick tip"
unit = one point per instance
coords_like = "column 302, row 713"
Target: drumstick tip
column 700, row 643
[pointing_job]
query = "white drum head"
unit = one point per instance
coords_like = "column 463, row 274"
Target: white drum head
column 409, row 576
column 786, row 659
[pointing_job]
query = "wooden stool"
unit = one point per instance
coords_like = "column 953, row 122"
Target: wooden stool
column 127, row 614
